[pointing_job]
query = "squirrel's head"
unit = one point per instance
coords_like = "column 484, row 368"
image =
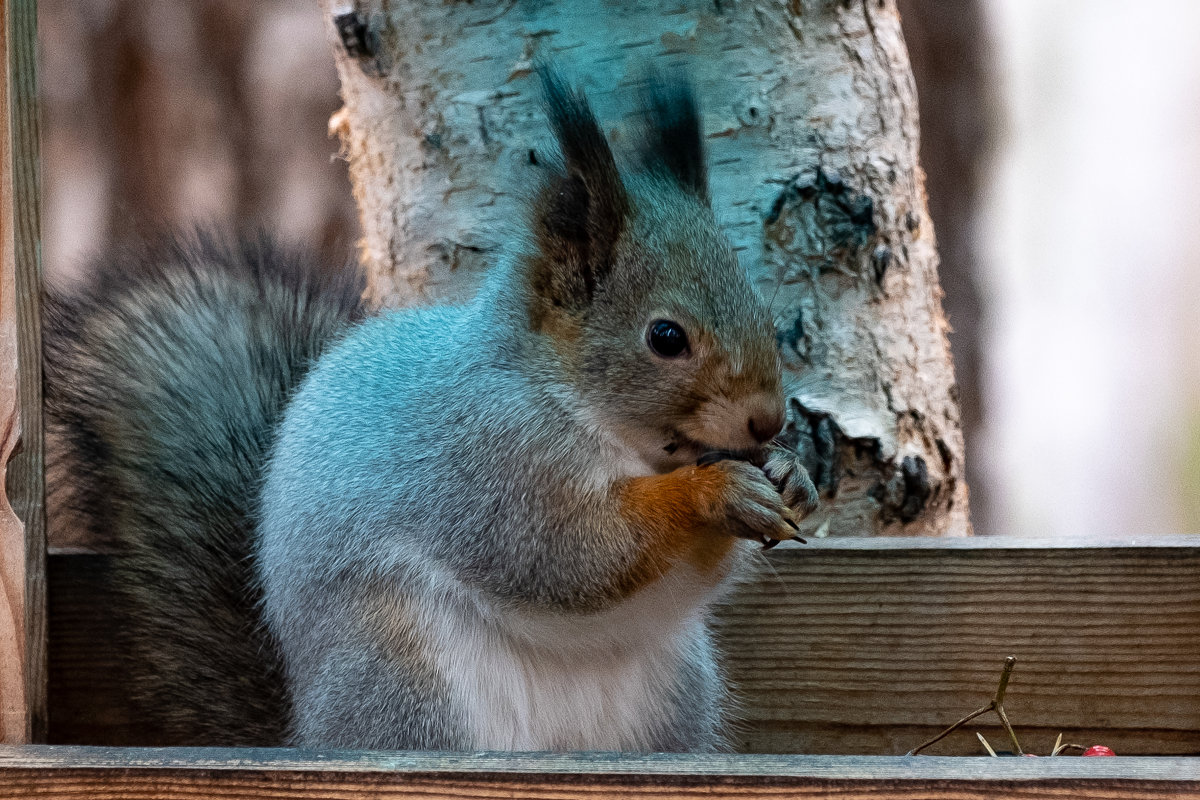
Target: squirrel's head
column 640, row 294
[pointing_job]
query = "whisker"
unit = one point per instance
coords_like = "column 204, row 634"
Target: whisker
column 760, row 557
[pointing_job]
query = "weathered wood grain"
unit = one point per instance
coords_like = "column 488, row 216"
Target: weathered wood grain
column 865, row 646
column 253, row 774
column 12, row 532
column 22, row 546
column 853, row 636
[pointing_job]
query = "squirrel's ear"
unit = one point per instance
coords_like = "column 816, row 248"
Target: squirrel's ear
column 673, row 141
column 582, row 210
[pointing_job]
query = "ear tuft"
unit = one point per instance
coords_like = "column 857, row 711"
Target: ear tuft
column 585, row 150
column 582, row 210
column 673, row 142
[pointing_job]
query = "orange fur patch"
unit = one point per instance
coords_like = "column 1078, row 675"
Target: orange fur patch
column 680, row 513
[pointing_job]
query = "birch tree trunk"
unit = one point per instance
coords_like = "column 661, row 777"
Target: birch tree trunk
column 810, row 116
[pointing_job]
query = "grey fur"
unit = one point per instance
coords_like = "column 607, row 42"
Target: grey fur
column 444, row 480
column 437, row 456
column 164, row 380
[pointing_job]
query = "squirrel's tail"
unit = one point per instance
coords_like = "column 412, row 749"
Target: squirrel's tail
column 164, row 382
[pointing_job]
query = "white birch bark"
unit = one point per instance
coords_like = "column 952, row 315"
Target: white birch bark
column 810, row 117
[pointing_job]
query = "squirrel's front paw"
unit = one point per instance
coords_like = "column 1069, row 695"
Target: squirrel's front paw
column 753, row 508
column 791, row 479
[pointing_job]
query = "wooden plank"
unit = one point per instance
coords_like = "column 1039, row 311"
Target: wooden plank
column 841, row 646
column 848, row 646
column 50, row 772
column 88, row 704
column 22, row 546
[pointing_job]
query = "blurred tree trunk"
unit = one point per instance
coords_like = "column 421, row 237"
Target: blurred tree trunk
column 162, row 115
column 810, row 115
column 951, row 54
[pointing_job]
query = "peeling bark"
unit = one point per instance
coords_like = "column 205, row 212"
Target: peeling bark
column 810, row 116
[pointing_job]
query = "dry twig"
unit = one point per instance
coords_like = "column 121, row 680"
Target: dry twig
column 997, row 705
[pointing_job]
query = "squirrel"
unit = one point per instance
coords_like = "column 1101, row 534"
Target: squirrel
column 492, row 526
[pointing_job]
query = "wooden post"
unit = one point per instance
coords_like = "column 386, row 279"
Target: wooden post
column 22, row 501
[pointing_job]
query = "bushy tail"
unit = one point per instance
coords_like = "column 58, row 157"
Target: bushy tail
column 164, row 382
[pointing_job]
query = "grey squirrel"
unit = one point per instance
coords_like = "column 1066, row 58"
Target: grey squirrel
column 490, row 526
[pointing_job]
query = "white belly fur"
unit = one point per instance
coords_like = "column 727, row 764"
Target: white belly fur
column 596, row 682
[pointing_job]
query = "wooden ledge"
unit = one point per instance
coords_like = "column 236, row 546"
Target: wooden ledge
column 168, row 774
column 861, row 646
column 714, row 765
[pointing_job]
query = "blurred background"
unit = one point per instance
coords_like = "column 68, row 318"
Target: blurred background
column 1059, row 138
column 160, row 113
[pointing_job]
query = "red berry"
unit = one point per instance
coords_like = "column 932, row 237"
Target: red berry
column 1098, row 750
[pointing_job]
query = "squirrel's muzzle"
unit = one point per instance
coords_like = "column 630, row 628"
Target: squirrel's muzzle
column 766, row 420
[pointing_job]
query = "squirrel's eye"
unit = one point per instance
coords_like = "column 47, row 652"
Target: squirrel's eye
column 667, row 339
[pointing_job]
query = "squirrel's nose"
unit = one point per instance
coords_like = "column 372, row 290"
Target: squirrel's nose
column 765, row 423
